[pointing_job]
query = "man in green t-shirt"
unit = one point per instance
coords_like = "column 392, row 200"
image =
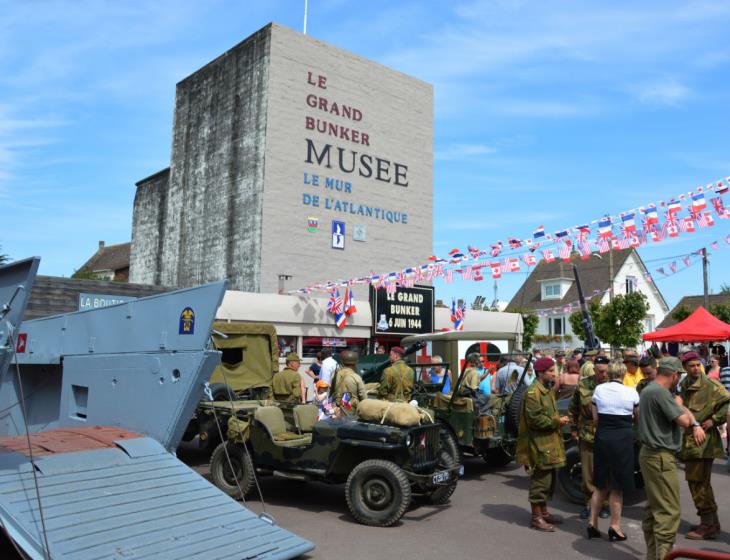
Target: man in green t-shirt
column 660, row 421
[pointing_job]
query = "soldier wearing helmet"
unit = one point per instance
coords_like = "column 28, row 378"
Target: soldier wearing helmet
column 346, row 380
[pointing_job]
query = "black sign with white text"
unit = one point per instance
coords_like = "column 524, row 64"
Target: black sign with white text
column 406, row 311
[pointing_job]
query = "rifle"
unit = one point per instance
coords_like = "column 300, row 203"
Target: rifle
column 590, row 337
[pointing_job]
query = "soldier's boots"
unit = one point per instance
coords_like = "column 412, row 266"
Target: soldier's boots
column 704, row 532
column 538, row 522
column 550, row 517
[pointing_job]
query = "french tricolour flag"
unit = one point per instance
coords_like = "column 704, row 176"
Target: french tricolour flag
column 698, row 202
column 650, row 215
column 674, row 206
column 604, row 227
column 628, row 222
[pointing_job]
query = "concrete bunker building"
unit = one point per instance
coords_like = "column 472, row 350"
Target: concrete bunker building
column 291, row 159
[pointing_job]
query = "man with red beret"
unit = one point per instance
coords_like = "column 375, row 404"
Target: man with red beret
column 708, row 401
column 539, row 443
column 397, row 381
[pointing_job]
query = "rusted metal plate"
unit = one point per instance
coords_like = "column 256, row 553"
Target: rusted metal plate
column 66, row 440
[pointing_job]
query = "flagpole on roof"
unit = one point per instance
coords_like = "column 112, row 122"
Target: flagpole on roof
column 305, row 17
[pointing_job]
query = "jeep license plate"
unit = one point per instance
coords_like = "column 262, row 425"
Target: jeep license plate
column 440, row 477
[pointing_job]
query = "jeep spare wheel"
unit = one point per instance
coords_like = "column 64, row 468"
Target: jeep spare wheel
column 378, row 493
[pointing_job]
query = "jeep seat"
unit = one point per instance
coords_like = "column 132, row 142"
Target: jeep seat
column 305, row 416
column 461, row 404
column 272, row 418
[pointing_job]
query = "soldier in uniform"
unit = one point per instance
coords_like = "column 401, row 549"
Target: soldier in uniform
column 346, row 380
column 288, row 385
column 708, row 401
column 397, row 381
column 660, row 420
column 539, row 444
column 583, row 428
column 560, row 366
column 647, row 364
column 586, row 370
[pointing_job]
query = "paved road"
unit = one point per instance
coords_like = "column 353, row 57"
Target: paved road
column 486, row 518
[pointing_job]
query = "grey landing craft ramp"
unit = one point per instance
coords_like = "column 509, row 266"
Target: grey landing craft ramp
column 108, row 393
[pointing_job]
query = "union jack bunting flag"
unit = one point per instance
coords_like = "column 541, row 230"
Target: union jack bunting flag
column 714, row 245
column 585, row 250
column 466, row 273
column 705, row 220
column 603, row 246
column 564, row 252
column 529, row 260
column 514, row 243
column 661, row 271
column 686, row 260
column 547, row 254
column 687, row 224
column 673, row 266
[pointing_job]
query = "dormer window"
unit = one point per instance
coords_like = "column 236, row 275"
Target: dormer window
column 551, row 291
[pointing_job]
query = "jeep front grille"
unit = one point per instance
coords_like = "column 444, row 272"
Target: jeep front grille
column 424, row 448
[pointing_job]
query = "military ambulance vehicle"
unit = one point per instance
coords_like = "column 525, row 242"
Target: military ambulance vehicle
column 490, row 433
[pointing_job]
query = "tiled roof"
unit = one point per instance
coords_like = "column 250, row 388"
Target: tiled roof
column 111, row 257
column 593, row 274
column 692, row 303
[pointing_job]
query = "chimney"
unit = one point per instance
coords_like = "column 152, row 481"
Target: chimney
column 101, row 245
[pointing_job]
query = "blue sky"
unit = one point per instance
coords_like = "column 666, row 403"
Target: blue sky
column 546, row 112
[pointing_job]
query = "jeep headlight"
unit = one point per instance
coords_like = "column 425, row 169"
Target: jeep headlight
column 408, row 440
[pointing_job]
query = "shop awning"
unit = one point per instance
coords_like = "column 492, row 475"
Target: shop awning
column 701, row 326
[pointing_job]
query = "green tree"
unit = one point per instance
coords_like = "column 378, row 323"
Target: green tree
column 530, row 321
column 681, row 313
column 621, row 321
column 721, row 311
column 84, row 274
column 576, row 319
column 4, row 258
column 725, row 288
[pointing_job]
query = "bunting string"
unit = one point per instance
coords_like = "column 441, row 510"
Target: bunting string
column 650, row 224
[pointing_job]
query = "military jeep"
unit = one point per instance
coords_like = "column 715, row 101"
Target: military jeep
column 382, row 466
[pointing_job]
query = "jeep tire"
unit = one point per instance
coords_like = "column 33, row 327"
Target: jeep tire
column 378, row 493
column 570, row 477
column 442, row 493
column 221, row 474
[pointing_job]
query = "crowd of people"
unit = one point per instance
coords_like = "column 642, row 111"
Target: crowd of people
column 623, row 410
column 660, row 406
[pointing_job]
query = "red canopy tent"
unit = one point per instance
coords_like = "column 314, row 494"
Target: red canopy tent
column 701, row 326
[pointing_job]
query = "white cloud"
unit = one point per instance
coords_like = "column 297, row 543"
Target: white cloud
column 668, row 93
column 463, row 151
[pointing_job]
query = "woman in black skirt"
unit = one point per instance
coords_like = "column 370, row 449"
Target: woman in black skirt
column 614, row 408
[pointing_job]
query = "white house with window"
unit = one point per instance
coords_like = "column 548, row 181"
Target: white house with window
column 550, row 292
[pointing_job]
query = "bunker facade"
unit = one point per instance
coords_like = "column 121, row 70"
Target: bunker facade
column 293, row 162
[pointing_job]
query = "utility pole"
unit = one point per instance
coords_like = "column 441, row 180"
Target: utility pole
column 610, row 275
column 704, row 278
column 305, row 16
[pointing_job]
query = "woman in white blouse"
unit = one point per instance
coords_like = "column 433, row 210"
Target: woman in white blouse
column 615, row 406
